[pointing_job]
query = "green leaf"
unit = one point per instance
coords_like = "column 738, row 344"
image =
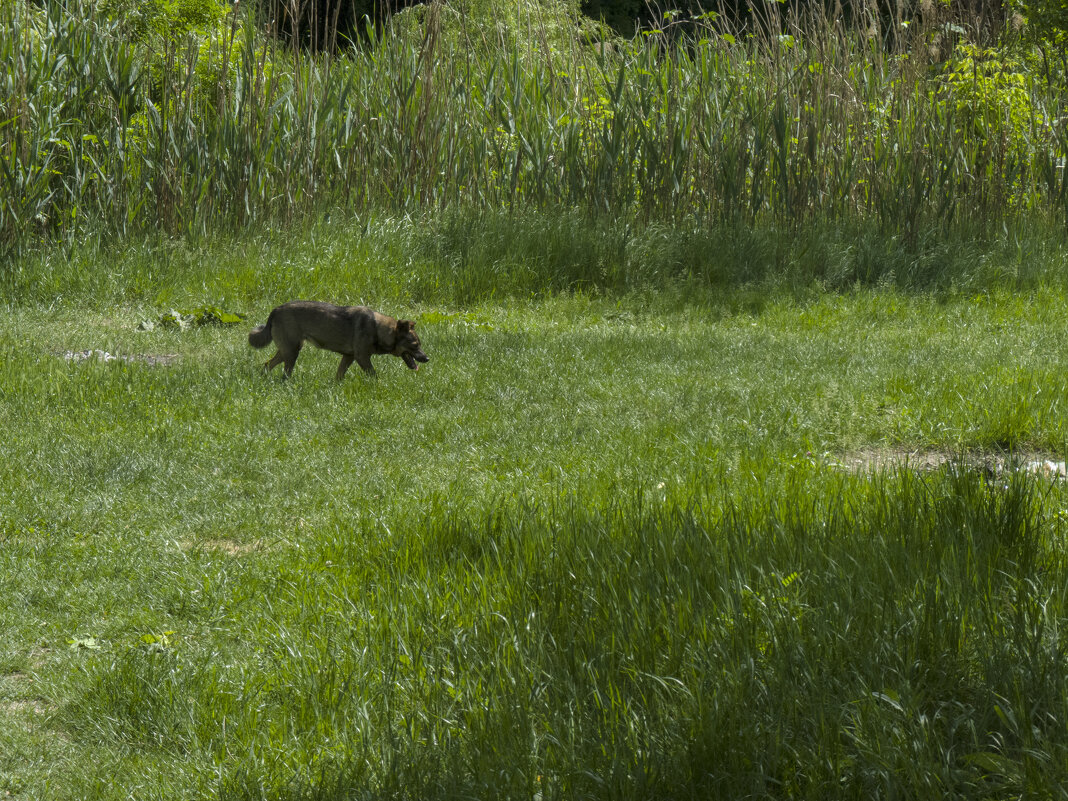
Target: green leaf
column 89, row 643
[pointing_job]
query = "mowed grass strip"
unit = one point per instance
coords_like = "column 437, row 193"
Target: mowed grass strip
column 597, row 541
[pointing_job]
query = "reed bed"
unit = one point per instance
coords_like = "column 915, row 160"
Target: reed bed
column 794, row 121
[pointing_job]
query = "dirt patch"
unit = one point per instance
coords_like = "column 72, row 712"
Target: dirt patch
column 23, row 706
column 151, row 359
column 228, row 547
column 879, row 459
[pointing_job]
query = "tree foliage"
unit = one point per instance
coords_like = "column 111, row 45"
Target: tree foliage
column 1048, row 18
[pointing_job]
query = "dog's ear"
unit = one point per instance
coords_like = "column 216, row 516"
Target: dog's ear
column 404, row 326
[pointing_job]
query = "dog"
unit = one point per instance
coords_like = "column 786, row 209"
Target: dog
column 356, row 332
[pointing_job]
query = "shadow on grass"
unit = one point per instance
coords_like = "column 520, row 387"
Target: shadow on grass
column 463, row 257
column 479, row 256
column 882, row 634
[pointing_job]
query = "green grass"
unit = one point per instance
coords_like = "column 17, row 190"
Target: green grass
column 716, row 484
column 605, row 544
column 466, row 256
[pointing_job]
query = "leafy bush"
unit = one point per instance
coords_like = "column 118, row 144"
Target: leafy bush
column 200, row 33
column 162, row 20
column 992, row 104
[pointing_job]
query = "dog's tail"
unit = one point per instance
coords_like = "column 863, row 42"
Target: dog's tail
column 260, row 336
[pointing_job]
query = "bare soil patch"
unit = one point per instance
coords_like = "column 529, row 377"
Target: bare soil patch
column 151, row 359
column 228, row 547
column 878, row 459
column 17, row 706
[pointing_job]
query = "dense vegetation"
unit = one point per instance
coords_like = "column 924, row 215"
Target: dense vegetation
column 195, row 123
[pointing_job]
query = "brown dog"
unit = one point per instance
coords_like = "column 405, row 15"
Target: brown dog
column 355, row 332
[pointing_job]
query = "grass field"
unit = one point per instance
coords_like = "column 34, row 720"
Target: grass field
column 736, row 472
column 667, row 543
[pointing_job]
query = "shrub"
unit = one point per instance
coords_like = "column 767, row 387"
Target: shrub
column 992, row 104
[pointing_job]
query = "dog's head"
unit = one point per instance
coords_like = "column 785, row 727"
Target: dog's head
column 407, row 346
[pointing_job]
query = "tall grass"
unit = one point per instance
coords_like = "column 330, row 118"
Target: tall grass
column 794, row 121
column 889, row 637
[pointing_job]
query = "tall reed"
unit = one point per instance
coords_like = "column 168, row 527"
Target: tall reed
column 795, row 120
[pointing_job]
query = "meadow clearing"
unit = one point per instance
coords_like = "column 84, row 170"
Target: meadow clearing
column 644, row 544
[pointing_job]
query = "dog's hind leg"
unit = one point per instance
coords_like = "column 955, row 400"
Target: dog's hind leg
column 364, row 360
column 286, row 358
column 346, row 360
column 288, row 361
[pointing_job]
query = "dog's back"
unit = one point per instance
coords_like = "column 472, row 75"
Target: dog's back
column 335, row 328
